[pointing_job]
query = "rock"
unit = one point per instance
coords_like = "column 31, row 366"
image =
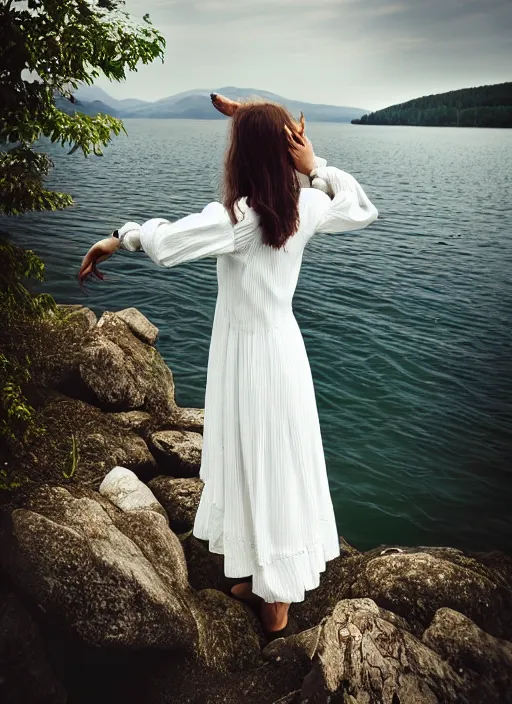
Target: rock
column 303, row 644
column 177, row 452
column 138, row 421
column 205, row 568
column 180, row 498
column 346, row 549
column 139, row 325
column 121, row 373
column 335, row 584
column 193, row 682
column 230, row 635
column 499, row 564
column 123, row 488
column 80, row 444
column 485, row 661
column 26, row 677
column 190, row 419
column 363, row 656
column 76, row 311
column 104, row 371
column 415, row 585
column 110, row 578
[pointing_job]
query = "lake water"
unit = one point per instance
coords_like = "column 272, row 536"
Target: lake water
column 407, row 324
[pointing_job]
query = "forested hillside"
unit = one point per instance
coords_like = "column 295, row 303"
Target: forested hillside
column 486, row 106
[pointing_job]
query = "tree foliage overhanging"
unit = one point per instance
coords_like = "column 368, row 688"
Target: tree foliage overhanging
column 47, row 49
column 486, row 106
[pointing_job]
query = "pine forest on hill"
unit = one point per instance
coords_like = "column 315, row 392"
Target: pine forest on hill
column 486, row 106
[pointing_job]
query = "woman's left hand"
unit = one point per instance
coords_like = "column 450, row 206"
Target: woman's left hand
column 301, row 150
column 98, row 252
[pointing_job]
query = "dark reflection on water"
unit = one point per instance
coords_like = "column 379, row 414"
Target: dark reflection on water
column 407, row 324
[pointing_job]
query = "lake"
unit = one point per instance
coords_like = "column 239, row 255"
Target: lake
column 407, row 324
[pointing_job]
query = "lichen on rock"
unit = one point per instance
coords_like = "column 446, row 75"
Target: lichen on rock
column 180, row 498
column 177, row 452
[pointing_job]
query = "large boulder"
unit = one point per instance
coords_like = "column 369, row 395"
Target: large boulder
column 110, row 578
column 190, row 419
column 77, row 313
column 416, row 584
column 112, row 368
column 190, row 681
column 230, row 635
column 365, row 654
column 139, row 325
column 205, row 568
column 177, row 452
column 79, row 444
column 484, row 661
column 138, row 421
column 335, row 584
column 127, row 492
column 26, row 676
column 180, row 498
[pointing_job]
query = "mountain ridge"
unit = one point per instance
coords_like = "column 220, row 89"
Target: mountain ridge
column 196, row 104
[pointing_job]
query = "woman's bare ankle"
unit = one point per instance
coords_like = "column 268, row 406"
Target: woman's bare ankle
column 274, row 616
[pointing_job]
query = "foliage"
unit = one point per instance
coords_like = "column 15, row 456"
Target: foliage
column 487, row 106
column 17, row 305
column 73, row 458
column 47, row 49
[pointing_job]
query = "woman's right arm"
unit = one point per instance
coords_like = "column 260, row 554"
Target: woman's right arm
column 98, row 253
column 206, row 234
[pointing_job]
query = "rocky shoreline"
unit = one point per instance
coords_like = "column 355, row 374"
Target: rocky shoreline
column 106, row 595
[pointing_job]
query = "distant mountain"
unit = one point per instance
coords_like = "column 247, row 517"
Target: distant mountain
column 89, row 108
column 90, row 94
column 485, row 106
column 196, row 104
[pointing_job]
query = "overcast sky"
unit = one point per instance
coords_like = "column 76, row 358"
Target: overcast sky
column 361, row 53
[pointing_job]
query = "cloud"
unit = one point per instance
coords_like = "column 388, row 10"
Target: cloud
column 367, row 53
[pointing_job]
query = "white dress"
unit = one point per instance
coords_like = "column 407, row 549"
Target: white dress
column 266, row 504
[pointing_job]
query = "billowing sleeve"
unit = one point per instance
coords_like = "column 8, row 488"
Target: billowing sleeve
column 205, row 234
column 348, row 207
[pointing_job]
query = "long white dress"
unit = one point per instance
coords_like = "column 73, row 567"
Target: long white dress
column 266, row 504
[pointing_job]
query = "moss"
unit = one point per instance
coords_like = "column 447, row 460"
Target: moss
column 80, row 444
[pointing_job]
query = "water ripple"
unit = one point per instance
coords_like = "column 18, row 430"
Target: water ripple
column 407, row 324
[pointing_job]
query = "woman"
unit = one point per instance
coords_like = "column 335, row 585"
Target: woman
column 265, row 504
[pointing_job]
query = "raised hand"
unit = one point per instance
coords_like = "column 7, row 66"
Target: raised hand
column 98, row 252
column 224, row 105
column 301, row 150
column 302, row 124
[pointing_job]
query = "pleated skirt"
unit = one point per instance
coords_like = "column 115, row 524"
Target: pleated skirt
column 266, row 504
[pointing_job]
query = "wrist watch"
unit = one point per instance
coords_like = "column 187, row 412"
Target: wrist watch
column 312, row 175
column 115, row 234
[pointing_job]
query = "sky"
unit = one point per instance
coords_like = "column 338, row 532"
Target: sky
column 360, row 53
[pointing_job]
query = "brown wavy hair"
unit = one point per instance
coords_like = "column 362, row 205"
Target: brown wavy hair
column 259, row 166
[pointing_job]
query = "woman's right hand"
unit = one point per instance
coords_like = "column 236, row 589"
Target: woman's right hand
column 301, row 150
column 98, row 252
